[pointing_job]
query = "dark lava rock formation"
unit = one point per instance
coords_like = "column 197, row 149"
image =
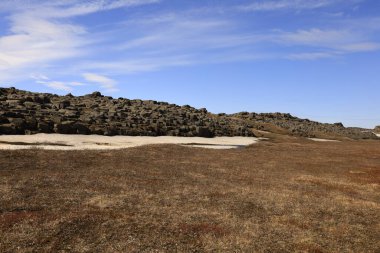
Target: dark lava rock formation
column 23, row 112
column 288, row 124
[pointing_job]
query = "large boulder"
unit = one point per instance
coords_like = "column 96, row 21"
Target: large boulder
column 19, row 123
column 81, row 128
column 31, row 123
column 204, row 132
column 339, row 124
column 95, row 94
column 45, row 127
column 7, row 129
column 3, row 120
column 64, row 104
column 41, row 99
column 66, row 127
column 97, row 130
column 377, row 129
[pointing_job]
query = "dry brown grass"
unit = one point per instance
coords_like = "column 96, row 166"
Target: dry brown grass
column 282, row 195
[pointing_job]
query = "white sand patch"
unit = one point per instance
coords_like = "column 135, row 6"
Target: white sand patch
column 378, row 135
column 322, row 140
column 78, row 142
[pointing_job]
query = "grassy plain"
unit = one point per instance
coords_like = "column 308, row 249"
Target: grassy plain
column 284, row 194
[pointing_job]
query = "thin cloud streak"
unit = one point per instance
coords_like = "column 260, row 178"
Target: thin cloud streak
column 106, row 83
column 69, row 8
column 288, row 5
column 311, row 56
column 56, row 85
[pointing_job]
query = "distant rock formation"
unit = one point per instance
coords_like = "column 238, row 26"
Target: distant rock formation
column 288, row 124
column 23, row 112
column 377, row 130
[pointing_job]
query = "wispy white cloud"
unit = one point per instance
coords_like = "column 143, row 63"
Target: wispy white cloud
column 166, row 40
column 176, row 32
column 288, row 4
column 361, row 47
column 140, row 64
column 56, row 85
column 44, row 36
column 338, row 41
column 40, row 33
column 105, row 83
column 175, row 40
column 68, row 8
column 311, row 55
column 35, row 41
column 316, row 37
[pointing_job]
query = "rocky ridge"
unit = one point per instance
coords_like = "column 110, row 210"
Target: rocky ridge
column 23, row 112
column 288, row 124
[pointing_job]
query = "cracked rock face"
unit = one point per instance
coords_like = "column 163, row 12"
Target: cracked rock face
column 25, row 112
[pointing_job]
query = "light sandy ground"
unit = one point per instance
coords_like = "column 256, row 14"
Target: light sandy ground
column 77, row 142
column 378, row 135
column 322, row 140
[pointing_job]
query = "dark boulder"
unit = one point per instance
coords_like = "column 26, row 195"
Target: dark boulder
column 95, row 94
column 81, row 128
column 29, row 99
column 7, row 129
column 31, row 123
column 204, row 132
column 66, row 127
column 64, row 104
column 41, row 99
column 12, row 114
column 339, row 124
column 94, row 129
column 3, row 120
column 45, row 127
column 203, row 110
column 18, row 122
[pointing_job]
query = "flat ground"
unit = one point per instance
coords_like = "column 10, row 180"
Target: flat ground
column 280, row 195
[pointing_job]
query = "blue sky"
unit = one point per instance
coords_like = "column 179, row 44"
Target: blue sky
column 317, row 59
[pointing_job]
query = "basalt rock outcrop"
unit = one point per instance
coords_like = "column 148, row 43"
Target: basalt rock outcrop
column 23, row 112
column 303, row 127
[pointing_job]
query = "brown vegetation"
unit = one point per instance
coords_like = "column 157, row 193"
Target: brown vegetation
column 281, row 195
